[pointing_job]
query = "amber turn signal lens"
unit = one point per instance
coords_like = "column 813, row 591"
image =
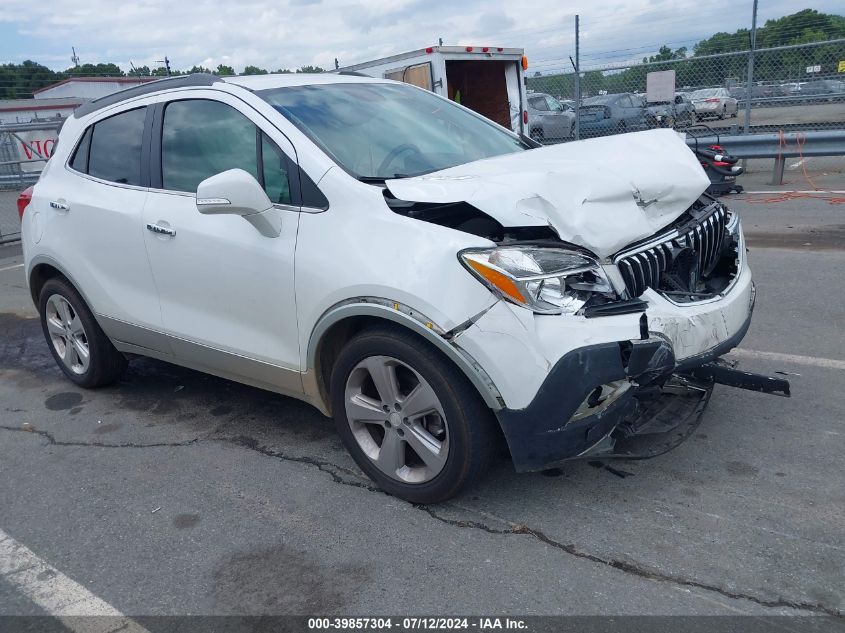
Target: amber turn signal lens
column 504, row 283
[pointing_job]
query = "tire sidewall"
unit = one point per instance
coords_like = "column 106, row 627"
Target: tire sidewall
column 64, row 290
column 458, row 414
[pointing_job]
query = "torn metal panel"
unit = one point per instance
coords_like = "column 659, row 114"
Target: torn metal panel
column 634, row 183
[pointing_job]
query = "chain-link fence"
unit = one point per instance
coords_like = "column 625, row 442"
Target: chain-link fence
column 24, row 149
column 787, row 88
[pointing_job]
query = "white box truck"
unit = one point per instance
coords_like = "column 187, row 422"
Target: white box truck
column 487, row 79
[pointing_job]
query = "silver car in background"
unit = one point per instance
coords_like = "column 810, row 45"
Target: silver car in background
column 713, row 102
column 548, row 118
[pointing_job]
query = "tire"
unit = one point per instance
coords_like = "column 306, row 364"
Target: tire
column 723, row 113
column 65, row 317
column 384, row 442
column 621, row 128
column 537, row 135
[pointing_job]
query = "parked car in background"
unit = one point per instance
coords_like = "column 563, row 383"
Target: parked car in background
column 791, row 89
column 548, row 118
column 757, row 92
column 823, row 88
column 713, row 102
column 612, row 114
column 678, row 112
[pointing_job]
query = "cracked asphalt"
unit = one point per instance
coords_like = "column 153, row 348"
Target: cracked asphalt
column 174, row 492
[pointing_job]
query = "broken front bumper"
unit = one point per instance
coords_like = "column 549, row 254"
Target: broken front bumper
column 573, row 387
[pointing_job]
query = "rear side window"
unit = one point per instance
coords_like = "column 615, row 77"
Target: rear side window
column 114, row 149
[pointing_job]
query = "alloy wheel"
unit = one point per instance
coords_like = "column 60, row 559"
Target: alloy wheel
column 67, row 334
column 397, row 419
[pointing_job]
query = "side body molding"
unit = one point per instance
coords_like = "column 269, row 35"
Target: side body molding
column 409, row 318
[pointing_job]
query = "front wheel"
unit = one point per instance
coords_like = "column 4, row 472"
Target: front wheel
column 80, row 348
column 411, row 420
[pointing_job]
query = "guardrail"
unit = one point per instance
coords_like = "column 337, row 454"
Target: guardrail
column 779, row 146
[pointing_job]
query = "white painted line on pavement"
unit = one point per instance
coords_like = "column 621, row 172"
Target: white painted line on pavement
column 815, row 361
column 11, row 267
column 57, row 594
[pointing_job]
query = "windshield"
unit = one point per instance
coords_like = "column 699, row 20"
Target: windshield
column 703, row 94
column 379, row 130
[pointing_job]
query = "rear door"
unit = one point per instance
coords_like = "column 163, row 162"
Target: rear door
column 98, row 211
column 226, row 291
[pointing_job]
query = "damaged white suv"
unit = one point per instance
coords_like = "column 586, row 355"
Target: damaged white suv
column 431, row 280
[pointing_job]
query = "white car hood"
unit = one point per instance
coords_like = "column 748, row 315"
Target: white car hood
column 601, row 194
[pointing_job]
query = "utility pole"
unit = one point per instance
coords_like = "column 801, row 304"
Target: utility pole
column 578, row 77
column 441, row 42
column 166, row 63
column 74, row 58
column 750, row 83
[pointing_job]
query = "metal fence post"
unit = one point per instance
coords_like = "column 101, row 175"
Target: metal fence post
column 749, row 86
column 578, row 79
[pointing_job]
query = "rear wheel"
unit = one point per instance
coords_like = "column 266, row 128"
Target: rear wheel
column 723, row 112
column 410, row 419
column 80, row 348
column 537, row 135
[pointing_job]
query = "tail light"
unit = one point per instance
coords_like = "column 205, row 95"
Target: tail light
column 525, row 117
column 712, row 100
column 524, row 62
column 23, row 201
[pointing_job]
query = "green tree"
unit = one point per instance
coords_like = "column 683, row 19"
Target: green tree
column 254, row 70
column 310, row 69
column 224, row 71
column 95, row 70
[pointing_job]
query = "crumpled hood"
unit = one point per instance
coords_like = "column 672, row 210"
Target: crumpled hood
column 601, row 193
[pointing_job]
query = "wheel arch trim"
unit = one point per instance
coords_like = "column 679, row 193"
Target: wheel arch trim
column 411, row 319
column 46, row 260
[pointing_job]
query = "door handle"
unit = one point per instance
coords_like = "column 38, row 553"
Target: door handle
column 60, row 205
column 161, row 230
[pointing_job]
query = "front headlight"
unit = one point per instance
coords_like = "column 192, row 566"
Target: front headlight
column 543, row 279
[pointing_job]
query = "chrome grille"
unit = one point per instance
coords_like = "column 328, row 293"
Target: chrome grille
column 696, row 250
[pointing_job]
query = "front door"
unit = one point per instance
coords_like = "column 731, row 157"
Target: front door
column 226, row 291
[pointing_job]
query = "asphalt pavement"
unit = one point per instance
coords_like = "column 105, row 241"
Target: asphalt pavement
column 175, row 492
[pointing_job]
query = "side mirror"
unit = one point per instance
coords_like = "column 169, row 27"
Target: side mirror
column 235, row 192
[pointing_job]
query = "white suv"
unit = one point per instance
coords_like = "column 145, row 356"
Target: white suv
column 426, row 277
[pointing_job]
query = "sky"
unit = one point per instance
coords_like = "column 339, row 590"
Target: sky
column 291, row 33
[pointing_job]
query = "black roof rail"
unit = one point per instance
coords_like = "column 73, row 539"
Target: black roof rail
column 352, row 73
column 196, row 79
